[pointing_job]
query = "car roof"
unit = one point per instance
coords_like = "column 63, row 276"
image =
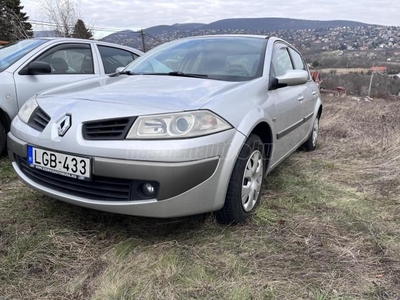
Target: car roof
column 60, row 39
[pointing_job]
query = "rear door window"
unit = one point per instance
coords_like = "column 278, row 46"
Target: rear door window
column 114, row 58
column 297, row 60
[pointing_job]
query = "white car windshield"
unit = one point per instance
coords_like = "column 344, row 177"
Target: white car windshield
column 220, row 58
column 13, row 52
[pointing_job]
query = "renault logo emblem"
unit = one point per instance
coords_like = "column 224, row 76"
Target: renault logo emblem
column 63, row 125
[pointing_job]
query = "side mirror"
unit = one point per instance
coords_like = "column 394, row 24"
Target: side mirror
column 119, row 70
column 39, row 67
column 293, row 77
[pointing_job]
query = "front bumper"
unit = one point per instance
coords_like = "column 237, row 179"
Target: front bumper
column 185, row 187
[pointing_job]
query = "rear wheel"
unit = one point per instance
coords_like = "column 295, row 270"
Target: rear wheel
column 3, row 138
column 244, row 190
column 311, row 143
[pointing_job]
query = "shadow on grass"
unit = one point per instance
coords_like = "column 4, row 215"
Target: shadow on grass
column 64, row 215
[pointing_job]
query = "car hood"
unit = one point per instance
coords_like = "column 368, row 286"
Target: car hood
column 163, row 92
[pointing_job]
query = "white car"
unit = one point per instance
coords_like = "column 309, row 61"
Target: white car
column 30, row 66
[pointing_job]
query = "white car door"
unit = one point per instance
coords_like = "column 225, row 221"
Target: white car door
column 288, row 100
column 69, row 62
column 310, row 94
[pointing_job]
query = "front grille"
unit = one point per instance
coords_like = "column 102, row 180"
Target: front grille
column 98, row 188
column 111, row 129
column 39, row 119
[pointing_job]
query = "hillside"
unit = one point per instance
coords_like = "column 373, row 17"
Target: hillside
column 163, row 33
column 165, row 29
column 44, row 33
column 273, row 24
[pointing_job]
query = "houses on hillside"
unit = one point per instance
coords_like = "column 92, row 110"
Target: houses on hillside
column 363, row 38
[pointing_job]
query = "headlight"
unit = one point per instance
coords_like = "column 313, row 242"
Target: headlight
column 179, row 125
column 27, row 109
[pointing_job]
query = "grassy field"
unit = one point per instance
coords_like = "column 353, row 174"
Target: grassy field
column 328, row 227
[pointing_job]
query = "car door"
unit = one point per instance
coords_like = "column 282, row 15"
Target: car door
column 310, row 94
column 69, row 62
column 288, row 101
column 113, row 58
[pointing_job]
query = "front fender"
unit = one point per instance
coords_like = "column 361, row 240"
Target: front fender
column 8, row 96
column 253, row 119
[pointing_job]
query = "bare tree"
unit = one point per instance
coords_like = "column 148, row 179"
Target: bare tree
column 18, row 30
column 63, row 14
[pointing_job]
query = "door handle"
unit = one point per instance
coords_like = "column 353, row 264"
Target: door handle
column 301, row 98
column 314, row 93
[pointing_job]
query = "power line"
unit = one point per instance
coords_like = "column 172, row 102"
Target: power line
column 154, row 38
column 141, row 33
column 51, row 24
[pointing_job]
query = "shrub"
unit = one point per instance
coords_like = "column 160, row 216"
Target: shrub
column 358, row 84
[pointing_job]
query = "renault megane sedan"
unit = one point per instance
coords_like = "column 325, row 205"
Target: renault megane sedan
column 193, row 126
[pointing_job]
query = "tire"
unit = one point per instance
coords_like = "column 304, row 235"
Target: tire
column 3, row 138
column 236, row 210
column 311, row 143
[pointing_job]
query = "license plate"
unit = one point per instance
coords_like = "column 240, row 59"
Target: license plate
column 59, row 163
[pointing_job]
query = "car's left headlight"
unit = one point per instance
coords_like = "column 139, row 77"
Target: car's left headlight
column 27, row 109
column 177, row 125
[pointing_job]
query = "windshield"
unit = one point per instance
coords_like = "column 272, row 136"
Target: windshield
column 11, row 53
column 220, row 58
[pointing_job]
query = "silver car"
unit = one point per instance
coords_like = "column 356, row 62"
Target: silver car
column 31, row 66
column 193, row 126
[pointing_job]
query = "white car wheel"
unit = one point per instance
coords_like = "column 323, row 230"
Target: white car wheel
column 245, row 184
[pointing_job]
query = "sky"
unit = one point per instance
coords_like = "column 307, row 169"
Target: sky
column 136, row 14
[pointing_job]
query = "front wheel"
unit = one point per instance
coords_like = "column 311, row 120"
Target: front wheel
column 245, row 184
column 3, row 138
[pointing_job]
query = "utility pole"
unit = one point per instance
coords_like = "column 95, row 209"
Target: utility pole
column 370, row 83
column 142, row 34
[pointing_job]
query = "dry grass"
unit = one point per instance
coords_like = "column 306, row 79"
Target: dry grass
column 328, row 228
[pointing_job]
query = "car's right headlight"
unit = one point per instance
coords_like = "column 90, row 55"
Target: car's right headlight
column 27, row 109
column 177, row 125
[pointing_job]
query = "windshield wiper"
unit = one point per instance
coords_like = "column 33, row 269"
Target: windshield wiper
column 174, row 73
column 123, row 73
column 180, row 74
column 129, row 73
